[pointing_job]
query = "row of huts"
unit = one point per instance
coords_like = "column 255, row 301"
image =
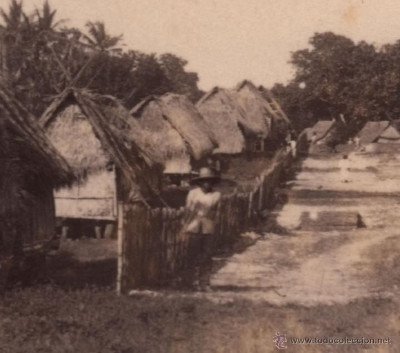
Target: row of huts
column 162, row 135
column 95, row 153
column 88, row 153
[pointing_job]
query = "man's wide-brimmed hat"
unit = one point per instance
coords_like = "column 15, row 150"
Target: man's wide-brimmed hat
column 206, row 174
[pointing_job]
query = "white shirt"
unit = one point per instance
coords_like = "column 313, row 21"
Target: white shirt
column 202, row 207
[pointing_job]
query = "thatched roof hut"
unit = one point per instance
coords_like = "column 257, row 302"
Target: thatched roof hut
column 44, row 159
column 256, row 108
column 30, row 169
column 227, row 119
column 92, row 132
column 379, row 131
column 174, row 131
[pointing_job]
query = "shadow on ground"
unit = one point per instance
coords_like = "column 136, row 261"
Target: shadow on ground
column 65, row 271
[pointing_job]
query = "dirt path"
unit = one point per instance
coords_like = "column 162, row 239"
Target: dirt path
column 325, row 258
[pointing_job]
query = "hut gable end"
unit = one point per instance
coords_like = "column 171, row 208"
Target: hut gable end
column 82, row 149
column 109, row 122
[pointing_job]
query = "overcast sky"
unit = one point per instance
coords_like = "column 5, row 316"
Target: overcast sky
column 226, row 41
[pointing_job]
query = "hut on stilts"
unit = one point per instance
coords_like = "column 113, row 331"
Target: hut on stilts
column 93, row 134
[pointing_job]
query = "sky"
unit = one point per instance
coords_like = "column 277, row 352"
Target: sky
column 226, row 41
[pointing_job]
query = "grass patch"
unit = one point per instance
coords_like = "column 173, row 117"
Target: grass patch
column 92, row 320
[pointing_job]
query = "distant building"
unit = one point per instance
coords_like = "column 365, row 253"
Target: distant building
column 320, row 131
column 379, row 132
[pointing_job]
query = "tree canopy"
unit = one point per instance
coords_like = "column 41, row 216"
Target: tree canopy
column 336, row 76
column 41, row 56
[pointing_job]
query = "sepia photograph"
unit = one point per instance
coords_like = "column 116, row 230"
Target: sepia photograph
column 199, row 176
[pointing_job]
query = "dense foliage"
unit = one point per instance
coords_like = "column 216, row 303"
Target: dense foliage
column 41, row 56
column 337, row 76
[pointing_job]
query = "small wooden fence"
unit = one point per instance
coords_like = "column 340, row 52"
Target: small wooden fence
column 152, row 246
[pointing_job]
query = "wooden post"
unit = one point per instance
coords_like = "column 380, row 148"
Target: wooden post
column 261, row 195
column 121, row 237
column 250, row 205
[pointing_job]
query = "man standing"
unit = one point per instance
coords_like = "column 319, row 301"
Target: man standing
column 201, row 211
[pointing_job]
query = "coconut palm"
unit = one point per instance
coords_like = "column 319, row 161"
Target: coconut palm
column 46, row 18
column 13, row 19
column 99, row 39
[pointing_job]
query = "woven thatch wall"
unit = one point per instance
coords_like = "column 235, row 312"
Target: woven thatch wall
column 94, row 197
column 27, row 215
column 225, row 118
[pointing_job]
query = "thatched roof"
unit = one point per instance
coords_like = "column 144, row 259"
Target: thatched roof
column 274, row 106
column 50, row 165
column 256, row 108
column 372, row 130
column 321, row 129
column 175, row 130
column 109, row 121
column 226, row 118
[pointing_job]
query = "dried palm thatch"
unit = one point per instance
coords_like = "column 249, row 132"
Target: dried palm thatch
column 98, row 134
column 36, row 154
column 372, row 131
column 173, row 130
column 255, row 106
column 226, row 119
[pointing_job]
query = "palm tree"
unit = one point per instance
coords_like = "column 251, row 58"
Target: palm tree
column 14, row 28
column 99, row 39
column 46, row 18
column 13, row 19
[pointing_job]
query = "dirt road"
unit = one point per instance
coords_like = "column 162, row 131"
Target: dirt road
column 324, row 258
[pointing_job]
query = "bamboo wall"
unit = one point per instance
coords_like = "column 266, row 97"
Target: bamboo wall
column 153, row 248
column 26, row 221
